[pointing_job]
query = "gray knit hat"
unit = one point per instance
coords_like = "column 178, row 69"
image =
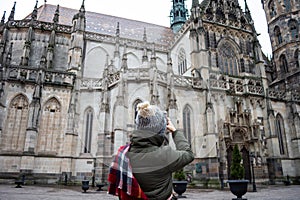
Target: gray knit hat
column 150, row 117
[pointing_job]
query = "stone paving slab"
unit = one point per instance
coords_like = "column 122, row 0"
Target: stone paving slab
column 33, row 192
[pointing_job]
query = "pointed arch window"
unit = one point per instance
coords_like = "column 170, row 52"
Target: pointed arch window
column 272, row 9
column 293, row 29
column 88, row 130
column 279, row 128
column 182, row 66
column 227, row 59
column 220, row 16
column 13, row 137
column 283, row 64
column 187, row 114
column 278, row 35
column 296, row 58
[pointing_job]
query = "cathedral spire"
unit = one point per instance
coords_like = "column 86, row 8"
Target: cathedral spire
column 12, row 13
column 178, row 15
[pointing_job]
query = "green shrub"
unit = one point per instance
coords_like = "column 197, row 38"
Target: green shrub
column 237, row 170
column 179, row 175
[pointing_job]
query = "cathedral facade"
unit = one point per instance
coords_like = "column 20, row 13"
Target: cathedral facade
column 71, row 80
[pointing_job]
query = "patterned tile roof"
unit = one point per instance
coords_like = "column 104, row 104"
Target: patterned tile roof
column 107, row 24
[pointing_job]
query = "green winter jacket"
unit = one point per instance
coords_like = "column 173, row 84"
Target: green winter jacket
column 153, row 163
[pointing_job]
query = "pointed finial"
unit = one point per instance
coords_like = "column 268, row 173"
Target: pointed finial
column 145, row 35
column 153, row 54
column 3, row 18
column 8, row 56
column 169, row 59
column 106, row 61
column 118, row 30
column 10, row 48
column 56, row 15
column 195, row 3
column 44, row 58
column 82, row 9
column 12, row 13
column 34, row 12
column 125, row 50
column 246, row 6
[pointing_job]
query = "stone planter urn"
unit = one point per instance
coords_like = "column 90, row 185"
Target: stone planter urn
column 238, row 188
column 180, row 187
column 85, row 185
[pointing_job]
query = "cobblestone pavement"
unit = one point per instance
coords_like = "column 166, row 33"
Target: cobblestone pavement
column 29, row 192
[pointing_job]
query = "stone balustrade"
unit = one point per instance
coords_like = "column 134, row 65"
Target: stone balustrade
column 278, row 94
column 27, row 74
column 40, row 25
column 141, row 74
column 128, row 42
column 283, row 95
column 237, row 85
column 91, row 84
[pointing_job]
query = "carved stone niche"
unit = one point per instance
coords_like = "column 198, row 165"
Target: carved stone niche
column 239, row 135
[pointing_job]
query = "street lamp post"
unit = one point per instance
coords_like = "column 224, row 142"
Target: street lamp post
column 252, row 167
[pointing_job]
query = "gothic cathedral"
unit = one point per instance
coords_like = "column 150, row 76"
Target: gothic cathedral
column 71, row 80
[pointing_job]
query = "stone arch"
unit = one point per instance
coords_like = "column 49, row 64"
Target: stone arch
column 95, row 62
column 238, row 135
column 161, row 64
column 244, row 150
column 133, row 60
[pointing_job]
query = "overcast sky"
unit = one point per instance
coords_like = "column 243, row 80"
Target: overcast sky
column 152, row 11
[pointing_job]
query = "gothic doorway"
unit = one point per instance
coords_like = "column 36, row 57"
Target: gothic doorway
column 246, row 162
column 239, row 138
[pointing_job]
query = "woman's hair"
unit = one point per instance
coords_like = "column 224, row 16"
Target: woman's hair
column 150, row 117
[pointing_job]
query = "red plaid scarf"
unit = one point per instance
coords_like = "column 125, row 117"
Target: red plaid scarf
column 121, row 181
